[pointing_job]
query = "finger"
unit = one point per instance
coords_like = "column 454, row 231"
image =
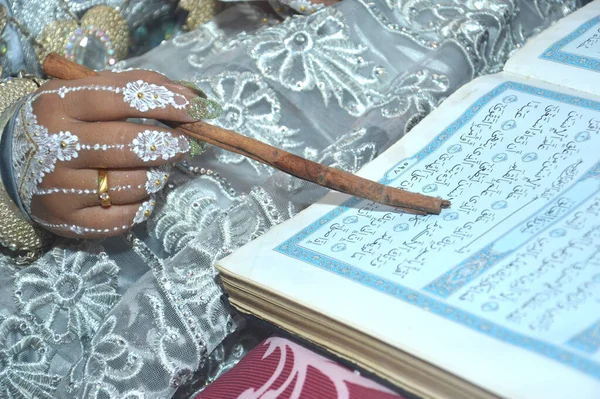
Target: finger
column 119, row 145
column 97, row 222
column 134, row 94
column 80, row 187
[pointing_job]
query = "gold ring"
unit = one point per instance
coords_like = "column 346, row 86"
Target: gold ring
column 103, row 188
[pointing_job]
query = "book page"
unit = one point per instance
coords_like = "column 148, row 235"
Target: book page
column 503, row 288
column 567, row 53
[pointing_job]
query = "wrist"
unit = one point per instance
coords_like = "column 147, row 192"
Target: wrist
column 17, row 233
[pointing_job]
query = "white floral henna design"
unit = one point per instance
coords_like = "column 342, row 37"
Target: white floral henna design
column 36, row 152
column 142, row 214
column 145, row 96
column 151, row 145
column 66, row 145
column 157, row 179
column 79, row 230
column 141, row 95
column 144, row 211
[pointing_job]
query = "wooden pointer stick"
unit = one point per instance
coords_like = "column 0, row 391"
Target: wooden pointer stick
column 335, row 179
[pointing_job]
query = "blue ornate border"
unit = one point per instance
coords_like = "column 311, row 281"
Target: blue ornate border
column 555, row 53
column 292, row 248
column 588, row 340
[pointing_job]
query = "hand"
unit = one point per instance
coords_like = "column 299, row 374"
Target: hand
column 83, row 170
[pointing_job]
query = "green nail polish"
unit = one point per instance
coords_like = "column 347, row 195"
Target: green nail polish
column 196, row 147
column 201, row 108
column 192, row 86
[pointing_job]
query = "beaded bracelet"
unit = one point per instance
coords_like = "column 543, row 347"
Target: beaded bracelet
column 17, row 233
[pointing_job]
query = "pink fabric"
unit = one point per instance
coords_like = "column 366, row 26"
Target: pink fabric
column 281, row 369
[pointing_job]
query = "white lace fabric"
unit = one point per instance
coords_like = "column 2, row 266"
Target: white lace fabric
column 140, row 316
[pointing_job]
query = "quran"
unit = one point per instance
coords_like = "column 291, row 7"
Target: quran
column 499, row 295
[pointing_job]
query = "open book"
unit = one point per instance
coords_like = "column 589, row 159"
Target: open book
column 499, row 296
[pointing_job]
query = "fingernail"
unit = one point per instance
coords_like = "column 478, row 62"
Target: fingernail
column 196, row 147
column 192, row 86
column 202, row 108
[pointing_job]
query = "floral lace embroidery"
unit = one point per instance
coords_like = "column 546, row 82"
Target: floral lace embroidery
column 68, row 292
column 190, row 296
column 355, row 149
column 468, row 24
column 24, row 362
column 213, row 38
column 316, row 52
column 200, row 42
column 552, row 10
column 195, row 206
column 164, row 339
column 189, row 210
column 418, row 91
column 224, row 358
column 251, row 108
column 110, row 360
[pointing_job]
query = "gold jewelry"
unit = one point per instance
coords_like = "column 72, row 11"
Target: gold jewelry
column 199, row 11
column 98, row 40
column 16, row 232
column 103, row 189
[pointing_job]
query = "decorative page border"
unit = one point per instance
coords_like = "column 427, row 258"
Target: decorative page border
column 588, row 340
column 433, row 305
column 554, row 53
